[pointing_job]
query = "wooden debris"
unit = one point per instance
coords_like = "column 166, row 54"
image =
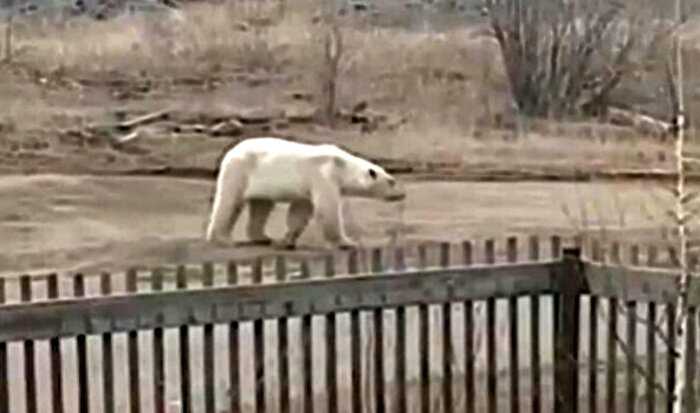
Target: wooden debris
column 231, row 127
column 642, row 123
column 144, row 120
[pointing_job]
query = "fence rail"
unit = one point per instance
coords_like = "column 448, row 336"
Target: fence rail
column 451, row 335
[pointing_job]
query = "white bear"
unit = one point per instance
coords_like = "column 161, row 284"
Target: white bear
column 312, row 178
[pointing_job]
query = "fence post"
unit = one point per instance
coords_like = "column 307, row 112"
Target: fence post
column 566, row 355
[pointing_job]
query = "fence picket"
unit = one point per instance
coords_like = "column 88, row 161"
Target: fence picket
column 55, row 353
column 491, row 365
column 670, row 356
column 400, row 356
column 107, row 353
column 593, row 355
column 469, row 350
column 535, row 363
column 259, row 345
column 184, row 341
column 514, row 364
column 234, row 392
column 208, row 349
column 424, row 340
column 631, row 356
column 81, row 350
column 133, row 352
column 25, row 283
column 307, row 350
column 378, row 316
column 355, row 344
column 4, row 376
column 331, row 349
column 691, row 359
column 651, row 340
column 282, row 343
column 158, row 352
column 447, row 348
column 611, row 402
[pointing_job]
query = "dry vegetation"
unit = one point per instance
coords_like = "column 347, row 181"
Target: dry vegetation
column 243, row 68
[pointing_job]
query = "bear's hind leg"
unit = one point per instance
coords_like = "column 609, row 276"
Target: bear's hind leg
column 259, row 213
column 298, row 217
column 226, row 208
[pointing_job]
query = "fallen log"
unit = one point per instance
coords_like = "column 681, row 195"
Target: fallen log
column 143, row 120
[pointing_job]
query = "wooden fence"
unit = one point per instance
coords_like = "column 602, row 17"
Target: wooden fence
column 370, row 337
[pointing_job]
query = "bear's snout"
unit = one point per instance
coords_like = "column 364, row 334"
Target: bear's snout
column 396, row 193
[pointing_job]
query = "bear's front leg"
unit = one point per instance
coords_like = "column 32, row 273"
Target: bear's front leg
column 328, row 207
column 298, row 217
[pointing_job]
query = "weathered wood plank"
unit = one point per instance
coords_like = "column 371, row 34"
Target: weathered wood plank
column 25, row 283
column 447, row 353
column 651, row 340
column 593, row 355
column 566, row 375
column 208, row 348
column 355, row 343
column 55, row 353
column 307, row 347
column 107, row 353
column 331, row 347
column 513, row 320
column 555, row 244
column 611, row 403
column 158, row 353
column 491, row 361
column 117, row 313
column 469, row 349
column 631, row 356
column 4, row 376
column 651, row 357
column 670, row 355
column 400, row 355
column 234, row 392
column 691, row 359
column 184, row 341
column 283, row 344
column 378, row 321
column 633, row 284
column 424, row 340
column 133, row 352
column 81, row 353
column 535, row 362
column 259, row 346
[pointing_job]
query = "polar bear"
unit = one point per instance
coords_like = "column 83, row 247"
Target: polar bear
column 313, row 179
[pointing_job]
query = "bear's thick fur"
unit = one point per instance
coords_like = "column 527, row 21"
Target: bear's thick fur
column 312, row 178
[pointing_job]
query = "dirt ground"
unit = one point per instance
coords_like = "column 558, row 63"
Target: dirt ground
column 87, row 223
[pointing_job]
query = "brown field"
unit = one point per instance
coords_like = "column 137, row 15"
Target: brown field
column 443, row 97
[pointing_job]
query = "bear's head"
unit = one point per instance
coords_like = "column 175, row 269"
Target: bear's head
column 361, row 178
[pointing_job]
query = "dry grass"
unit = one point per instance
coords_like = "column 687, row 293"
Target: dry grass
column 449, row 86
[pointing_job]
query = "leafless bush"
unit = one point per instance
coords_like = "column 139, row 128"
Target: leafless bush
column 8, row 38
column 333, row 52
column 563, row 58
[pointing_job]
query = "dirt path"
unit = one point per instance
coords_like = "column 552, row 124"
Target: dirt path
column 52, row 222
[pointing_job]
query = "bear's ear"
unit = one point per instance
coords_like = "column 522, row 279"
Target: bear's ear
column 339, row 162
column 336, row 161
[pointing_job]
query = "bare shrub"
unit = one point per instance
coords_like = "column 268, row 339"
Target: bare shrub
column 564, row 58
column 333, row 52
